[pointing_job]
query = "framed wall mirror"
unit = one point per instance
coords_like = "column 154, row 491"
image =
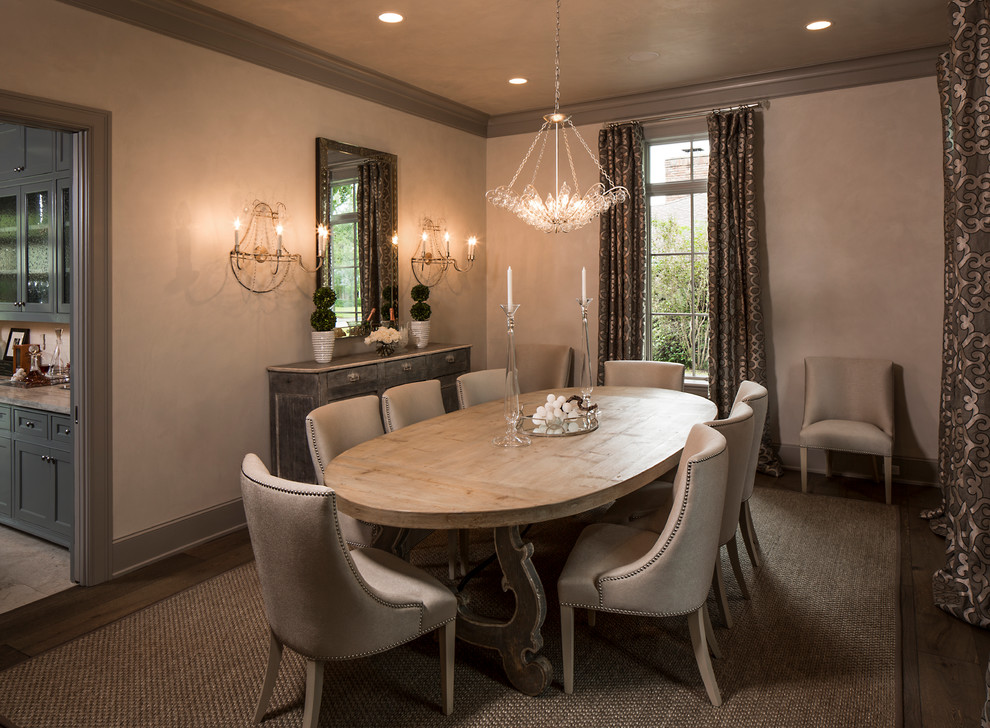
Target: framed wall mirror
column 356, row 202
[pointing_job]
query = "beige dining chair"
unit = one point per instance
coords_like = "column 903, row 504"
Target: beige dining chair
column 848, row 406
column 626, row 570
column 406, row 405
column 650, row 506
column 757, row 397
column 338, row 426
column 480, row 387
column 543, row 366
column 329, row 603
column 629, row 373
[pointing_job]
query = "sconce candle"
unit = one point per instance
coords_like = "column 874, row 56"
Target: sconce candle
column 508, row 284
column 278, row 231
column 472, row 241
column 237, row 227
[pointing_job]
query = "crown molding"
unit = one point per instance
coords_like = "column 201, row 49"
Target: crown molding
column 196, row 24
column 729, row 92
column 215, row 31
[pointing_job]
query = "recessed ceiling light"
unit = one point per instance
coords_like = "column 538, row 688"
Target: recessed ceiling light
column 517, row 81
column 641, row 56
column 390, row 18
column 819, row 25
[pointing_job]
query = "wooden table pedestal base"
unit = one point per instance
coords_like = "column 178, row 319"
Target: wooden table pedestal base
column 518, row 640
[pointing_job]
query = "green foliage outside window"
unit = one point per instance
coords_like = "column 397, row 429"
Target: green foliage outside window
column 679, row 295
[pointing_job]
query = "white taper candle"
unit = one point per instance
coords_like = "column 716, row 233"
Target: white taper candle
column 584, row 285
column 508, row 282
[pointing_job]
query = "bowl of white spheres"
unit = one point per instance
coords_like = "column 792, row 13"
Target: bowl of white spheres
column 556, row 416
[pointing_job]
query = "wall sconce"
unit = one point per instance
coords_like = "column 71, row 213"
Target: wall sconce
column 432, row 257
column 259, row 260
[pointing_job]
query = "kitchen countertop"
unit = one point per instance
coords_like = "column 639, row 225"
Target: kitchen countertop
column 51, row 399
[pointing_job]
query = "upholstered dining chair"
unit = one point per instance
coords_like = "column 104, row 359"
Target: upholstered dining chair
column 659, row 374
column 757, row 397
column 626, row 570
column 479, row 387
column 543, row 366
column 848, row 406
column 406, row 405
column 338, row 426
column 650, row 506
column 327, row 602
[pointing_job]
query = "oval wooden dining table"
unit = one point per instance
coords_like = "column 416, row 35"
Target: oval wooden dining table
column 445, row 473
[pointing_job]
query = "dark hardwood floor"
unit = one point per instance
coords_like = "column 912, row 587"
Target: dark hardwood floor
column 944, row 659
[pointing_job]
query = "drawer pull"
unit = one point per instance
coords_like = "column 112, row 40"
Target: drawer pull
column 353, row 377
column 29, row 425
column 68, row 431
column 18, row 169
column 406, row 366
column 451, row 358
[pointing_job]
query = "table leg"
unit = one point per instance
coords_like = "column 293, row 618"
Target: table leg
column 518, row 640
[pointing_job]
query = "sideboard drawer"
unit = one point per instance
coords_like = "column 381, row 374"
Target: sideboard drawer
column 403, row 371
column 30, row 423
column 450, row 362
column 352, row 381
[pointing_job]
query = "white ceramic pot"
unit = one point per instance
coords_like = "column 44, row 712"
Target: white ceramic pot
column 420, row 331
column 323, row 345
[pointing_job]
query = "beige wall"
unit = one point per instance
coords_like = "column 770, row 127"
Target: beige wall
column 852, row 194
column 853, row 230
column 195, row 136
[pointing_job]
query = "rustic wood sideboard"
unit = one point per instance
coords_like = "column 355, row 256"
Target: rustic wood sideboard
column 295, row 390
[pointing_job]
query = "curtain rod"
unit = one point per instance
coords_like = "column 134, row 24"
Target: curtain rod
column 762, row 103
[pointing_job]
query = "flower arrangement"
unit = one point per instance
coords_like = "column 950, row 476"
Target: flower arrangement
column 384, row 339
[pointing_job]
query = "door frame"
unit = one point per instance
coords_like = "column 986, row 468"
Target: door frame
column 91, row 395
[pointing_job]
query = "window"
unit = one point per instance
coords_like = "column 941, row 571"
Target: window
column 345, row 254
column 677, row 283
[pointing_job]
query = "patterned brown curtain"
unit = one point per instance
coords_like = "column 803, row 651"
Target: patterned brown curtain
column 622, row 251
column 962, row 587
column 736, row 328
column 375, row 229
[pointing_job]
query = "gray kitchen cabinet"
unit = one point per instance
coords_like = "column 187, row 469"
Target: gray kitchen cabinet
column 295, row 390
column 35, row 226
column 36, row 473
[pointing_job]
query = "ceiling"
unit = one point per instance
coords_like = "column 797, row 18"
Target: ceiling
column 466, row 50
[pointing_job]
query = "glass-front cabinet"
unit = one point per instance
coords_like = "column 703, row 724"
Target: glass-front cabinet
column 36, row 242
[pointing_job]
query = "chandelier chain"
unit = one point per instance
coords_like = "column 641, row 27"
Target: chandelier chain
column 526, row 158
column 595, row 159
column 556, row 64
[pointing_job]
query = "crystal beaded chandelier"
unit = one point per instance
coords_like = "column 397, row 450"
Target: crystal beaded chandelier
column 565, row 210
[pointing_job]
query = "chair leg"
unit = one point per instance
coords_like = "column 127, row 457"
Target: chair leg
column 447, row 667
column 710, row 634
column 876, row 473
column 567, row 646
column 804, row 470
column 888, row 470
column 828, row 463
column 749, row 534
column 271, row 675
column 736, row 566
column 698, row 641
column 452, row 554
column 464, row 542
column 720, row 595
column 314, row 693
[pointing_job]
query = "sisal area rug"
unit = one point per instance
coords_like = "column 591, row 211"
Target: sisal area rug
column 814, row 646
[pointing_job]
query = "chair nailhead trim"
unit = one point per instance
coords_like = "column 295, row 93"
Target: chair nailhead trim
column 350, row 562
column 677, row 526
column 312, row 438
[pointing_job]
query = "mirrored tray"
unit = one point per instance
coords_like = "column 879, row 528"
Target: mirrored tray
column 583, row 427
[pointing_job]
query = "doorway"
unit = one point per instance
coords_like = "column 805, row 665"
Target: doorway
column 91, row 404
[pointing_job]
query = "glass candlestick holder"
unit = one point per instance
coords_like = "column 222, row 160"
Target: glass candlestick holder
column 586, row 381
column 511, row 410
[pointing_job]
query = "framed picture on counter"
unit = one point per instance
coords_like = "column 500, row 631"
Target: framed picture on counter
column 17, row 336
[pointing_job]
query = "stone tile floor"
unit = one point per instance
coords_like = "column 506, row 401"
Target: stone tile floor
column 30, row 569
